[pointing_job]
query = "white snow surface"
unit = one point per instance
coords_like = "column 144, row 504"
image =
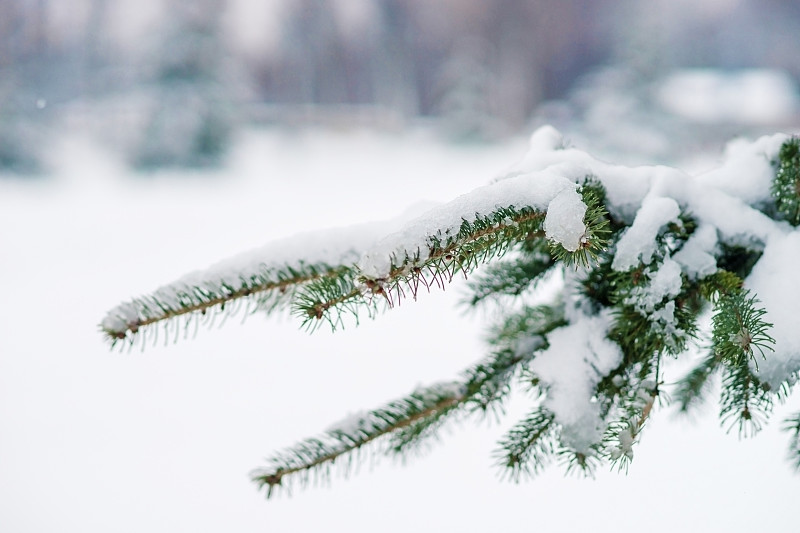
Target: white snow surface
column 534, row 189
column 746, row 170
column 638, row 243
column 579, row 356
column 545, row 139
column 694, row 257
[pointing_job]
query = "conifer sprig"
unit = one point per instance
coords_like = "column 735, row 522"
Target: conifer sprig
column 511, row 277
column 316, row 455
column 268, row 288
column 792, row 425
column 739, row 330
column 633, row 403
column 486, row 386
column 745, row 402
column 528, row 446
column 694, row 387
column 405, row 424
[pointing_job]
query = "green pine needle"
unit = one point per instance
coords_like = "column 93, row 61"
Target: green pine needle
column 694, row 387
column 786, row 184
column 512, row 277
column 578, row 462
column 739, row 330
column 720, row 283
column 528, row 446
column 745, row 402
column 529, row 322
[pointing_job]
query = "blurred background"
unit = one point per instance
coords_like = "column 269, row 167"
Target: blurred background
column 143, row 140
column 167, row 83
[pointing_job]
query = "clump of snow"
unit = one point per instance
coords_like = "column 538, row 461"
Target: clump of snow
column 746, row 171
column 665, row 318
column 626, row 440
column 774, row 282
column 648, row 299
column 546, row 139
column 695, row 256
column 737, row 222
column 527, row 345
column 664, row 283
column 639, row 240
column 564, row 220
column 625, row 186
column 578, row 358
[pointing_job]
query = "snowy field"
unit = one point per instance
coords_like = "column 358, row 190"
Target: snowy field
column 162, row 440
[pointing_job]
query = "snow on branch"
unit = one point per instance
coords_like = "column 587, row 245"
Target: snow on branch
column 328, row 274
column 265, row 278
column 641, row 255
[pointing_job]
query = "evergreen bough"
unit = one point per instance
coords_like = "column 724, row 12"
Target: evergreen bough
column 643, row 257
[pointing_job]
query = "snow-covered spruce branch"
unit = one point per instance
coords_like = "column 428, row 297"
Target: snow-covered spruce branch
column 435, row 264
column 317, row 455
column 374, row 268
column 401, row 426
column 193, row 297
column 644, row 256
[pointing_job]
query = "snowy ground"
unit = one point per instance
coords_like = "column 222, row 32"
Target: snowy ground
column 163, row 440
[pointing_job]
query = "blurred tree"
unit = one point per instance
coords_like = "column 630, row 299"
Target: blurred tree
column 24, row 48
column 190, row 106
column 480, row 65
